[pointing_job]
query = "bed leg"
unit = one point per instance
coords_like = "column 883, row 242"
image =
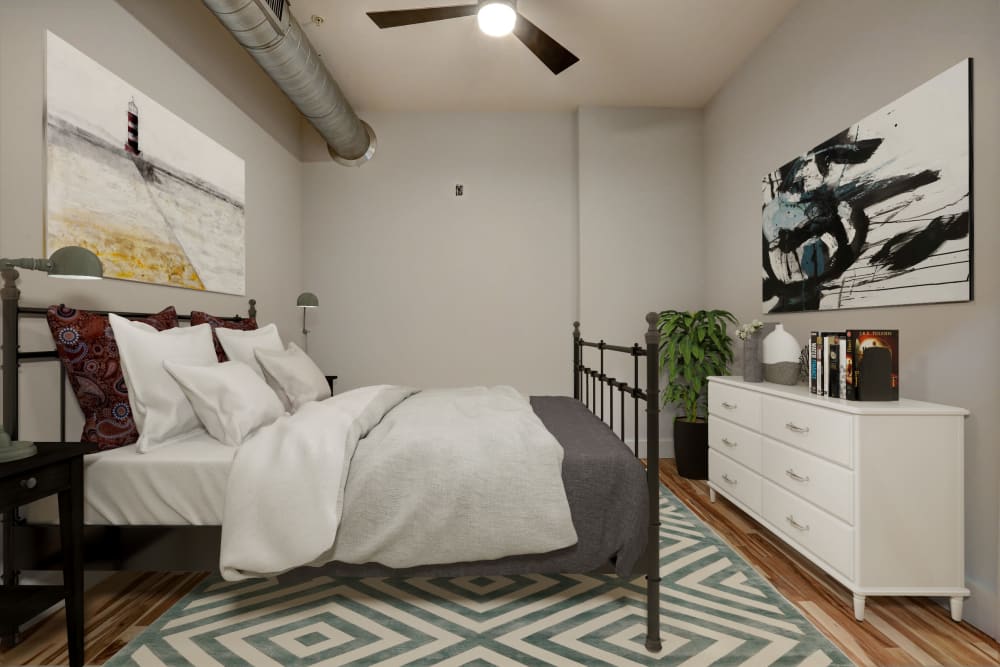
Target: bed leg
column 653, row 643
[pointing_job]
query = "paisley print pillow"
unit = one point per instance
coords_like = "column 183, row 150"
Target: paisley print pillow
column 86, row 346
column 243, row 324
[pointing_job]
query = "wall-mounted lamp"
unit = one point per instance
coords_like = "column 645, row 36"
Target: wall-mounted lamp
column 68, row 262
column 306, row 300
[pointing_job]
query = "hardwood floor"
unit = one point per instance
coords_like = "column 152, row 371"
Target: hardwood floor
column 896, row 631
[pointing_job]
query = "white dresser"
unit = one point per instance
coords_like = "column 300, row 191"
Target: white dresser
column 873, row 493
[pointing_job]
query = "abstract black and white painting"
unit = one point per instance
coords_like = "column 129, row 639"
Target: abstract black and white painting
column 156, row 199
column 879, row 214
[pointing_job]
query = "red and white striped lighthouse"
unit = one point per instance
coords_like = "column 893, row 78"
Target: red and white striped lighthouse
column 132, row 146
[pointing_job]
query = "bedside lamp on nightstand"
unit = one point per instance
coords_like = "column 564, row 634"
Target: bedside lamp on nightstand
column 15, row 450
column 306, row 300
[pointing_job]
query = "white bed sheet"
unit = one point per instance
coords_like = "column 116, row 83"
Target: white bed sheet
column 183, row 483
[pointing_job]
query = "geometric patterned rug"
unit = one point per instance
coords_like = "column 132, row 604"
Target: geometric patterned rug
column 716, row 610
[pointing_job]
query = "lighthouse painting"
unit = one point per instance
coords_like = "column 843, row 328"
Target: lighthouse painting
column 156, row 199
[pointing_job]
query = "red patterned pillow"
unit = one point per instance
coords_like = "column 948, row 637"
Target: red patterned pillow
column 86, row 345
column 243, row 324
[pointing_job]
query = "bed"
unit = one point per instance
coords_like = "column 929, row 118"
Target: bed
column 136, row 505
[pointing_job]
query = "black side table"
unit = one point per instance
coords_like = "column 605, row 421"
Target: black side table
column 56, row 468
column 329, row 380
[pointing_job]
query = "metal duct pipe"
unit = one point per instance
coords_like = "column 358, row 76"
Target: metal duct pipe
column 277, row 43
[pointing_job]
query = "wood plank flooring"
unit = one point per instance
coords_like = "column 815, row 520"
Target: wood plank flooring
column 896, row 631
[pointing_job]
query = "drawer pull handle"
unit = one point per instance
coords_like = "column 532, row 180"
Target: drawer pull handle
column 795, row 524
column 797, row 477
column 29, row 483
column 729, row 480
column 791, row 426
column 729, row 406
column 729, row 443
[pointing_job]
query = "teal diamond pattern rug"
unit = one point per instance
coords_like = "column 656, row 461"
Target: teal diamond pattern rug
column 716, row 610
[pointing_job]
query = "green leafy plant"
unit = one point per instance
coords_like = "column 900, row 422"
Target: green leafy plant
column 693, row 346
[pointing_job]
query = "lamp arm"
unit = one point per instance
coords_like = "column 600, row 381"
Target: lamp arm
column 26, row 263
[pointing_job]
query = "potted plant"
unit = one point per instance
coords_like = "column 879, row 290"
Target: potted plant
column 693, row 346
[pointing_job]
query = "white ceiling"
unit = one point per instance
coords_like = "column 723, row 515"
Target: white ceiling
column 670, row 53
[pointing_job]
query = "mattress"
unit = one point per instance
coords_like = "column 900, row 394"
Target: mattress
column 183, row 483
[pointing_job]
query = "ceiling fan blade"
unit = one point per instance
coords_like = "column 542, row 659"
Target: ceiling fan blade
column 555, row 56
column 401, row 17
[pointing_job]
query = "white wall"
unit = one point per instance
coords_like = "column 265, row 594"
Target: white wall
column 110, row 35
column 829, row 65
column 419, row 286
column 640, row 193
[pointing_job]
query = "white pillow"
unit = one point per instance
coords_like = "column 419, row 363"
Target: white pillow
column 296, row 374
column 162, row 411
column 229, row 398
column 240, row 345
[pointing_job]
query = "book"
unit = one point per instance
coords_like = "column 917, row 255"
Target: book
column 812, row 361
column 819, row 363
column 833, row 365
column 842, row 385
column 850, row 367
column 826, row 364
column 875, row 364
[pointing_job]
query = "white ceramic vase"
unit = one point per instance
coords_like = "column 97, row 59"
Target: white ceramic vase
column 781, row 356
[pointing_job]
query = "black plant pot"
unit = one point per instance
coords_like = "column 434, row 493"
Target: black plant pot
column 691, row 448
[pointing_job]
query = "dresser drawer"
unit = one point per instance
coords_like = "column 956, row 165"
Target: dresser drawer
column 817, row 430
column 736, row 442
column 740, row 406
column 822, row 483
column 734, row 479
column 810, row 527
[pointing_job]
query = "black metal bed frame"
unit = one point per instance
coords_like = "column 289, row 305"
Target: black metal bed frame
column 587, row 393
column 110, row 545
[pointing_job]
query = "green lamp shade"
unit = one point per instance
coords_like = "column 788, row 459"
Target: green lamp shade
column 75, row 262
column 307, row 300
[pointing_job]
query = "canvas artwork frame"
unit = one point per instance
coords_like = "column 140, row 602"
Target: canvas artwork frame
column 155, row 198
column 880, row 214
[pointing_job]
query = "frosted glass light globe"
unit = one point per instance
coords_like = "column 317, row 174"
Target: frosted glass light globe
column 496, row 19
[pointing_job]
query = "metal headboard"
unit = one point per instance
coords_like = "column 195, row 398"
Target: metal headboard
column 13, row 356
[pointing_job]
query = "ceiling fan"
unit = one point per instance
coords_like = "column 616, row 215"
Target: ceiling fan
column 496, row 18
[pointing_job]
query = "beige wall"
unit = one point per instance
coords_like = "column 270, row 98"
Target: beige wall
column 640, row 193
column 565, row 216
column 418, row 286
column 828, row 65
column 110, row 35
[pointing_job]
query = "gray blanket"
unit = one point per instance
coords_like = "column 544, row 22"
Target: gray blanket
column 606, row 490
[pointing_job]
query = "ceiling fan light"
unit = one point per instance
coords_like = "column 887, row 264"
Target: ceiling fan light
column 496, row 19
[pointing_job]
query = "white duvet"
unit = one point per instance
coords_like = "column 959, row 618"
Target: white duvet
column 443, row 476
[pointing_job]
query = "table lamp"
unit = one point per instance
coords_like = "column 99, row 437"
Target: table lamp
column 306, row 300
column 69, row 262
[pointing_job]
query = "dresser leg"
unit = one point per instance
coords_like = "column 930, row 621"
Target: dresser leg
column 956, row 608
column 711, row 495
column 859, row 607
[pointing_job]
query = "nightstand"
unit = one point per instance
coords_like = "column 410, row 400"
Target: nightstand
column 56, row 468
column 330, row 380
